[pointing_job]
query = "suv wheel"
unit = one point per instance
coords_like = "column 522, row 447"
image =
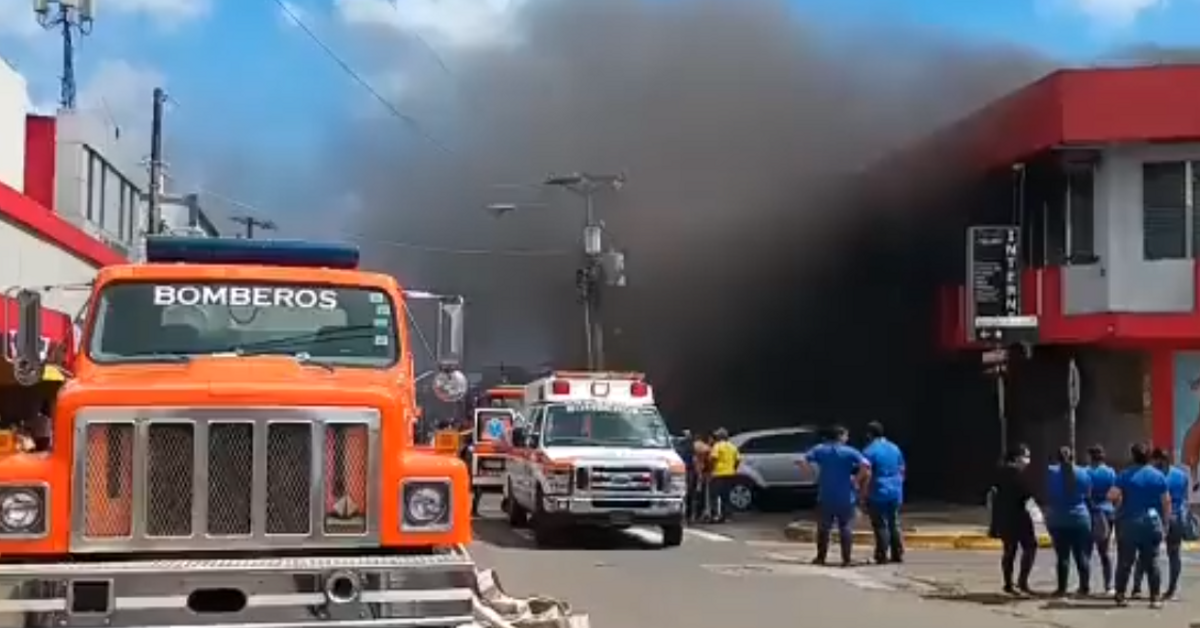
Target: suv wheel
column 743, row 495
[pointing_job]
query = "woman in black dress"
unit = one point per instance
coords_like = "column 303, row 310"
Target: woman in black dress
column 1011, row 521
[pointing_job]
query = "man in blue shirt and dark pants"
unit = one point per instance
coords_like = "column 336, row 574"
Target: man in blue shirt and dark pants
column 885, row 494
column 843, row 474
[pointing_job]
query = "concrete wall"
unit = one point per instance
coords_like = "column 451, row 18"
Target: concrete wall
column 1114, row 409
column 1123, row 280
column 34, row 261
column 14, row 99
column 100, row 180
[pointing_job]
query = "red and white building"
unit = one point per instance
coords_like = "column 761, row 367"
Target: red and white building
column 44, row 230
column 1101, row 170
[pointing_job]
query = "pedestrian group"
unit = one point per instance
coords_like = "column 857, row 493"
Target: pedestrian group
column 712, row 463
column 1143, row 507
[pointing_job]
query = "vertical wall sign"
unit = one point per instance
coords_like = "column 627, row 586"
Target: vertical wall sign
column 993, row 307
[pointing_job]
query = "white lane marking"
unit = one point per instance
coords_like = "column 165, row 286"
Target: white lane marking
column 851, row 577
column 860, row 580
column 645, row 535
column 707, row 536
column 649, row 536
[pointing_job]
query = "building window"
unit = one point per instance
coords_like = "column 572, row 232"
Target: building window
column 91, row 185
column 1081, row 215
column 1167, row 211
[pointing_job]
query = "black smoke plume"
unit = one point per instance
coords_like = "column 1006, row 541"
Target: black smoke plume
column 763, row 288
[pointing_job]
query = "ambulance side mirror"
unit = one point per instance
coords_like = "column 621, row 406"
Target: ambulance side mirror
column 520, row 437
column 26, row 347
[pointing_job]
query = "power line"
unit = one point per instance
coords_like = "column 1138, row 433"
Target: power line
column 251, row 223
column 439, row 60
column 413, row 123
column 412, row 246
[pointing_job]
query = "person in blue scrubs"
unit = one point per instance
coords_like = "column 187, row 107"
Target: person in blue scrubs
column 1103, row 513
column 1143, row 505
column 1069, row 520
column 843, row 473
column 1177, row 489
column 886, row 494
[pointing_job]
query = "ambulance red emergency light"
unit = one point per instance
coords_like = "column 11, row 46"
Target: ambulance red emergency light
column 606, row 386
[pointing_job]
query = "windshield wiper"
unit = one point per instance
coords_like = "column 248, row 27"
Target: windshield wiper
column 301, row 358
column 150, row 358
column 307, row 360
column 339, row 334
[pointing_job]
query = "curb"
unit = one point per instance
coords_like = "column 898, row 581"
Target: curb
column 973, row 541
column 914, row 539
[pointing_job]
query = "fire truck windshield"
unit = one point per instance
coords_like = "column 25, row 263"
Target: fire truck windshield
column 589, row 425
column 169, row 321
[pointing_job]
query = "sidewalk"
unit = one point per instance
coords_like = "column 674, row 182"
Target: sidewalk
column 928, row 526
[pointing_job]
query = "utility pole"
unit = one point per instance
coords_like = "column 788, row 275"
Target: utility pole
column 250, row 222
column 67, row 17
column 590, row 276
column 154, row 225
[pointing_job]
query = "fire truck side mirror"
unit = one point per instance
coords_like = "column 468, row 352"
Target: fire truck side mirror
column 450, row 322
column 28, row 364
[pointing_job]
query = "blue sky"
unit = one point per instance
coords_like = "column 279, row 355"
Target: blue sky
column 242, row 74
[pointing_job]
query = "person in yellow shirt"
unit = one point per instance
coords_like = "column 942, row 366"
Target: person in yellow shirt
column 725, row 458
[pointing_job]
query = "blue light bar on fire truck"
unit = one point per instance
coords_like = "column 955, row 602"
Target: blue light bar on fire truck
column 290, row 253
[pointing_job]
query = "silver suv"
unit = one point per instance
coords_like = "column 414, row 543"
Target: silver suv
column 770, row 466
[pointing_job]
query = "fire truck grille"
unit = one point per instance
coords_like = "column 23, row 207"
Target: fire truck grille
column 236, row 479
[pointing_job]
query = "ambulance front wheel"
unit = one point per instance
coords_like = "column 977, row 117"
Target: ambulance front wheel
column 517, row 517
column 672, row 535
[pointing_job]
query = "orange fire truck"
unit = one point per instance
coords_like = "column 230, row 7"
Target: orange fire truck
column 235, row 451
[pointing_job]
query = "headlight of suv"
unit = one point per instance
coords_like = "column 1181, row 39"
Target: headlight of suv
column 22, row 511
column 558, row 481
column 426, row 505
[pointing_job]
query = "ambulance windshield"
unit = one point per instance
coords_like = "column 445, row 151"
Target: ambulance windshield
column 591, row 425
column 171, row 321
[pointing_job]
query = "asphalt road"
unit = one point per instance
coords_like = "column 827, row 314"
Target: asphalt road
column 735, row 576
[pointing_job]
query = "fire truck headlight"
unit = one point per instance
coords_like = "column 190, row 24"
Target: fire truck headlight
column 22, row 511
column 426, row 505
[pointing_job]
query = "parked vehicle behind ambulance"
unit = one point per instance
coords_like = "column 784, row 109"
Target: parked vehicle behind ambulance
column 596, row 452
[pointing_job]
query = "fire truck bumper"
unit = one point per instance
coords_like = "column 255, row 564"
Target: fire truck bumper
column 613, row 511
column 330, row 592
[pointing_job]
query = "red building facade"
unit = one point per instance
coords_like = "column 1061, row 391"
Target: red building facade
column 1101, row 169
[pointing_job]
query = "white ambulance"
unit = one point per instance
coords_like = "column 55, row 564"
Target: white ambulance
column 593, row 451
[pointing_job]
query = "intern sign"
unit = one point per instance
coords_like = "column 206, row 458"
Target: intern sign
column 993, row 305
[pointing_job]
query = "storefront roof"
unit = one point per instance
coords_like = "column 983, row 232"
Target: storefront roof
column 1075, row 107
column 44, row 223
